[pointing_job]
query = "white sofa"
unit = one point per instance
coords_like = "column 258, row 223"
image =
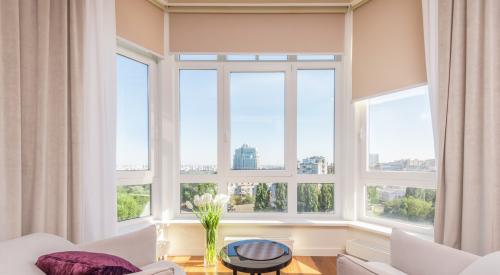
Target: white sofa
column 18, row 256
column 415, row 256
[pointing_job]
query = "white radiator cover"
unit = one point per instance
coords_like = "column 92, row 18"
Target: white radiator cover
column 369, row 250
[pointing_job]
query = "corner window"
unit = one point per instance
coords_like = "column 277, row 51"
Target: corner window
column 398, row 162
column 134, row 159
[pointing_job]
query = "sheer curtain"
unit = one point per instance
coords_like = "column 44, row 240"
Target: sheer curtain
column 468, row 197
column 57, row 118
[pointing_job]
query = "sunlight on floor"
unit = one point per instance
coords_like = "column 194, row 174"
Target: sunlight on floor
column 300, row 265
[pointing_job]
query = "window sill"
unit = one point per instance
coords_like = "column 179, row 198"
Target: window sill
column 369, row 227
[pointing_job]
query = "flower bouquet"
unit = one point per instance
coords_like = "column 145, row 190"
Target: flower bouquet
column 208, row 210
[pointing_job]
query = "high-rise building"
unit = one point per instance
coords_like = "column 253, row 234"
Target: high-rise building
column 313, row 165
column 245, row 158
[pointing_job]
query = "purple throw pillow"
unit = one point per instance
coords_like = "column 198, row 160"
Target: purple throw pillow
column 84, row 263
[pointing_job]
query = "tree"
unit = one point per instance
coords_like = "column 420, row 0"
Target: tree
column 326, row 202
column 312, row 198
column 301, row 198
column 262, row 197
column 281, row 197
column 128, row 207
column 373, row 194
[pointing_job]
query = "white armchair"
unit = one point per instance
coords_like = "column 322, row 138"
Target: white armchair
column 410, row 255
column 20, row 255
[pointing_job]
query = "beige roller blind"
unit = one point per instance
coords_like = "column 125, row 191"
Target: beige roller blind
column 140, row 22
column 388, row 47
column 256, row 33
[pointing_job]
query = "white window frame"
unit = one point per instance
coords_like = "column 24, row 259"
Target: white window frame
column 366, row 177
column 144, row 177
column 289, row 175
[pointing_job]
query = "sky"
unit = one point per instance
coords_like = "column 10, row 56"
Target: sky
column 257, row 114
column 401, row 126
column 400, row 123
column 132, row 113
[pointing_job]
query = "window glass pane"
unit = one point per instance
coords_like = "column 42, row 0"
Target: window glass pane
column 400, row 132
column 316, row 57
column 189, row 190
column 257, row 120
column 132, row 132
column 198, row 57
column 257, row 197
column 273, row 57
column 315, row 121
column 407, row 204
column 241, row 57
column 198, row 121
column 315, row 197
column 133, row 201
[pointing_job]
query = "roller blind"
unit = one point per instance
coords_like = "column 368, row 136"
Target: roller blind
column 388, row 47
column 140, row 22
column 256, row 33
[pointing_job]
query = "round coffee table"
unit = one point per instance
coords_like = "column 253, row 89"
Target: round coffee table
column 231, row 258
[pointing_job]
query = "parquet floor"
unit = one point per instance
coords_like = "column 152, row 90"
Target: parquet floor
column 193, row 265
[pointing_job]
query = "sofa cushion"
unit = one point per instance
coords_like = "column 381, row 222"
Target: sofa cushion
column 19, row 255
column 81, row 262
column 487, row 265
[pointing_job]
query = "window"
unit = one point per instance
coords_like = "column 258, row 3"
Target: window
column 407, row 204
column 315, row 121
column 134, row 201
column 134, row 158
column 198, row 57
column 241, row 57
column 190, row 190
column 258, row 197
column 398, row 163
column 132, row 134
column 198, row 121
column 400, row 132
column 257, row 120
column 262, row 131
column 315, row 197
column 317, row 57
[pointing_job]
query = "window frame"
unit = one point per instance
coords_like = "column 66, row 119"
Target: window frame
column 143, row 177
column 289, row 175
column 368, row 177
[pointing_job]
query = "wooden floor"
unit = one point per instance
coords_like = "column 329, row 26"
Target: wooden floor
column 300, row 265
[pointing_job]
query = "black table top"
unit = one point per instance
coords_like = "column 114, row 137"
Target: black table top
column 232, row 260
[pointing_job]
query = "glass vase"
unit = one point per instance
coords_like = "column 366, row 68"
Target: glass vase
column 210, row 259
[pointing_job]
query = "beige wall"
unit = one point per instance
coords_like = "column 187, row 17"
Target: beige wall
column 261, row 33
column 187, row 239
column 388, row 47
column 140, row 22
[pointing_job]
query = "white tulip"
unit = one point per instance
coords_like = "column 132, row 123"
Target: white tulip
column 206, row 198
column 189, row 205
column 197, row 200
column 221, row 199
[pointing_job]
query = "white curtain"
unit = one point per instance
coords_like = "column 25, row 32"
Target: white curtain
column 57, row 109
column 99, row 125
